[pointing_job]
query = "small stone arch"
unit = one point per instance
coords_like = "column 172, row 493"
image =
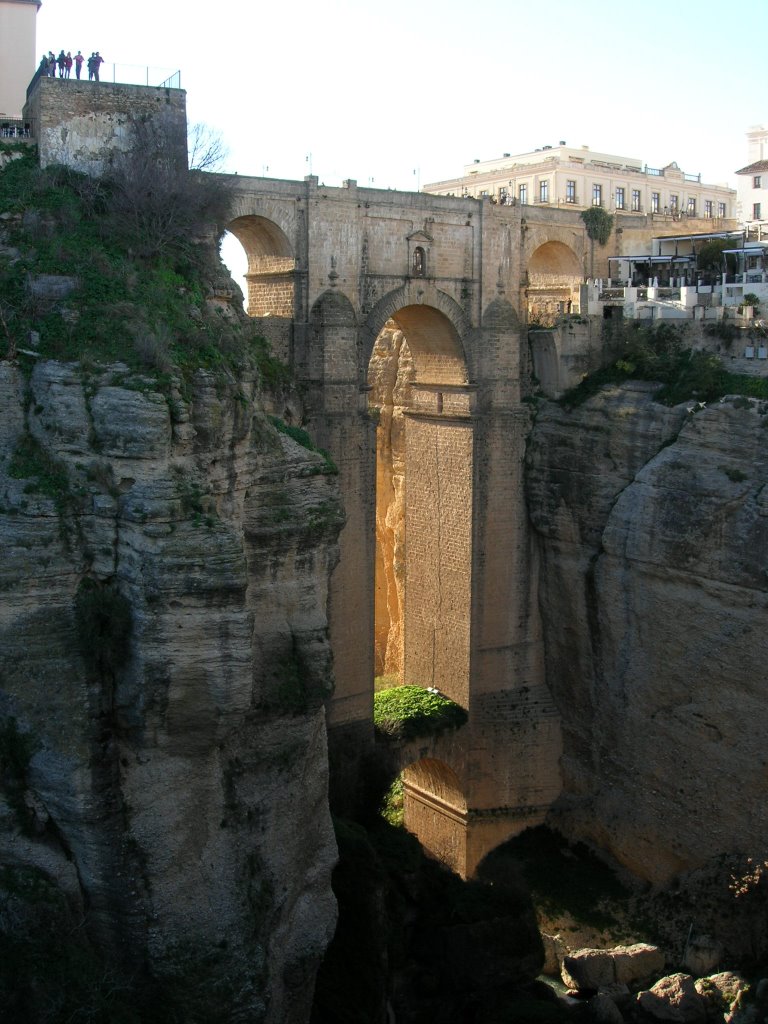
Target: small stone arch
column 501, row 315
column 554, row 275
column 499, row 356
column 271, row 265
column 332, row 345
column 419, row 262
column 433, row 324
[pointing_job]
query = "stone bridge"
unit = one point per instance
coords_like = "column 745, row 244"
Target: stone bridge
column 404, row 316
column 436, row 583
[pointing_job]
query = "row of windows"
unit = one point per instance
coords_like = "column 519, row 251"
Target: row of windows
column 621, row 199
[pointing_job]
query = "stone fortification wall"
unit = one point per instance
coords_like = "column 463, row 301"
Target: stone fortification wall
column 88, row 125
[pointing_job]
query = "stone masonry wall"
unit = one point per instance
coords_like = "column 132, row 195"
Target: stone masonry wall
column 270, row 294
column 88, row 125
column 438, row 527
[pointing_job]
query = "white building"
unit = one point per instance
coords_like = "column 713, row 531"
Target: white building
column 19, row 59
column 752, row 185
column 577, row 178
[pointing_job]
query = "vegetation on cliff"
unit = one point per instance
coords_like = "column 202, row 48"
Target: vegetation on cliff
column 658, row 355
column 120, row 269
column 122, row 335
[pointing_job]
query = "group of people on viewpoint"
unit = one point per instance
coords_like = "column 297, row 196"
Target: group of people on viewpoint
column 65, row 61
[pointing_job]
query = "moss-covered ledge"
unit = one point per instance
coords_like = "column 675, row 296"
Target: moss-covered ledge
column 405, row 712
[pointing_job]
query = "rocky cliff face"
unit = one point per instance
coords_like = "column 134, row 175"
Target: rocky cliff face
column 653, row 535
column 163, row 629
column 390, row 374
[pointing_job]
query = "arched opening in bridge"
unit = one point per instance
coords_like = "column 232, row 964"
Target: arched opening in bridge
column 270, row 266
column 235, row 260
column 424, row 485
column 554, row 276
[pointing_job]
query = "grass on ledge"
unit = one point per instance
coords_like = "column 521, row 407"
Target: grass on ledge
column 405, row 712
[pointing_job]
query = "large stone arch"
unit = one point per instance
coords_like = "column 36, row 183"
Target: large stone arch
column 271, row 265
column 438, row 327
column 425, row 487
column 554, row 275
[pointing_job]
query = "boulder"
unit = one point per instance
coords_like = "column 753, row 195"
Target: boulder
column 702, row 955
column 673, row 998
column 637, row 963
column 586, row 969
column 603, row 1010
column 721, row 993
column 553, row 954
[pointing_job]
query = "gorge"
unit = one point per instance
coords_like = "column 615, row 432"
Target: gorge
column 172, row 621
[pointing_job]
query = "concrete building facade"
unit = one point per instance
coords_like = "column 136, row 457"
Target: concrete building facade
column 17, row 32
column 752, row 185
column 577, row 178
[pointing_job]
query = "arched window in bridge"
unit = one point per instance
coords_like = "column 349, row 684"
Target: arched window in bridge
column 419, row 262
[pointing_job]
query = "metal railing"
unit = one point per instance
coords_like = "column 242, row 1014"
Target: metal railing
column 121, row 74
column 16, row 128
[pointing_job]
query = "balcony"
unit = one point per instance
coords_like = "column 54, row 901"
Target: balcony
column 16, row 128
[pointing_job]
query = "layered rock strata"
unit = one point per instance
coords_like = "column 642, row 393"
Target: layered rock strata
column 652, row 525
column 390, row 374
column 165, row 658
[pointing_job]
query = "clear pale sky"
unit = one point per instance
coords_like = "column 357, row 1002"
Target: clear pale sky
column 377, row 92
column 380, row 90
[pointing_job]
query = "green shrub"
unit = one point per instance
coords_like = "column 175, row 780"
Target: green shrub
column 658, row 355
column 300, row 436
column 31, row 462
column 408, row 711
column 392, row 808
column 141, row 273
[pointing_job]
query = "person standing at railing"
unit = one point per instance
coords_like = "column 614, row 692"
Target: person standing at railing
column 68, row 64
column 61, row 60
column 94, row 63
column 78, row 59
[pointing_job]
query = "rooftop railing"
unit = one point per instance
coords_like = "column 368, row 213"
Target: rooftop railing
column 119, row 74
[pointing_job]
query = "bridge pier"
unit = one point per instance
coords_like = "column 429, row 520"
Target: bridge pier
column 469, row 614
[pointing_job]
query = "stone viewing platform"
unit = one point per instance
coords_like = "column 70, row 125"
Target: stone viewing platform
column 86, row 125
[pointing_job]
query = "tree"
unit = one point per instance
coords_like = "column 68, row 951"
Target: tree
column 710, row 256
column 158, row 207
column 599, row 225
column 206, row 148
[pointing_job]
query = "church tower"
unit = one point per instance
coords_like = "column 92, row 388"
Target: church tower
column 17, row 32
